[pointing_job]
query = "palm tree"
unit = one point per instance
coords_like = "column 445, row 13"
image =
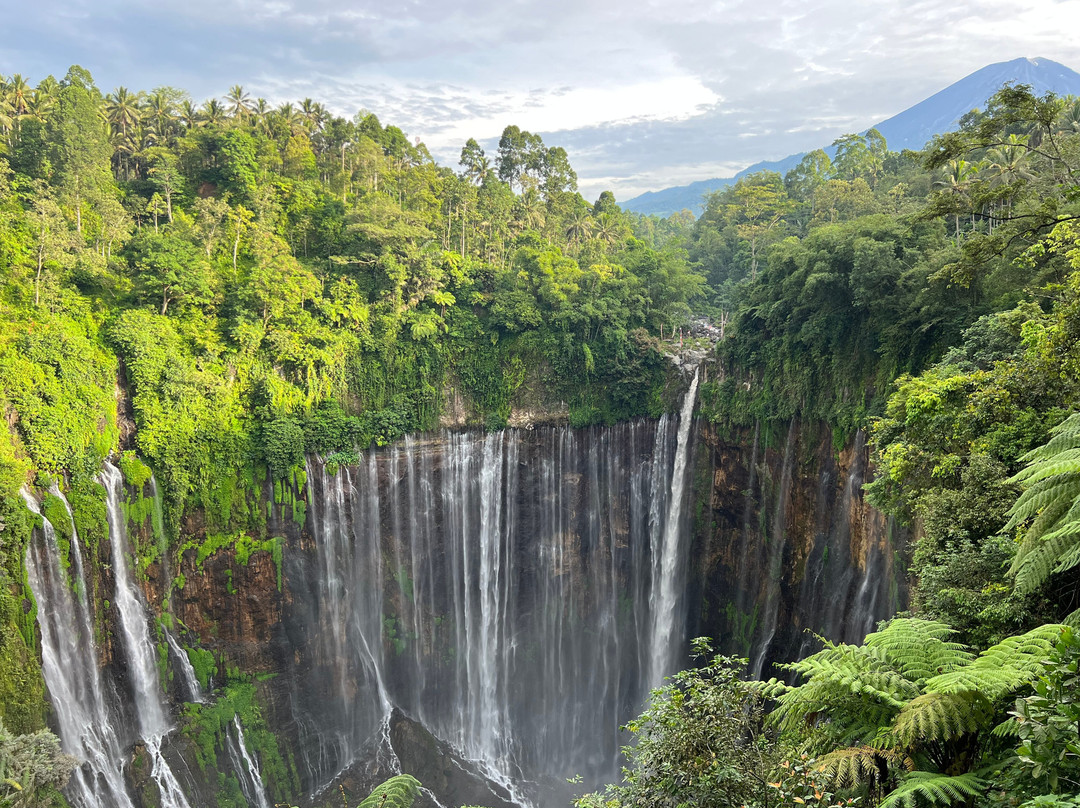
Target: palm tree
column 580, row 226
column 7, row 118
column 17, row 93
column 260, row 111
column 314, row 114
column 292, row 119
column 239, row 102
column 1069, row 120
column 160, row 114
column 212, row 112
column 1007, row 166
column 609, row 229
column 956, row 182
column 40, row 104
column 189, row 115
column 122, row 110
column 122, row 113
column 479, row 170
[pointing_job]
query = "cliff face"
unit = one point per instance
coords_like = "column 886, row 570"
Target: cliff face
column 785, row 545
column 496, row 591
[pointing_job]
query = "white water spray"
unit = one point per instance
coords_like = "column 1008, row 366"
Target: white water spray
column 149, row 703
column 669, row 559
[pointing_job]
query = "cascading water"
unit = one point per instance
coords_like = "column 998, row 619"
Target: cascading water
column 86, row 717
column 142, row 665
column 774, row 571
column 187, row 673
column 251, row 782
column 669, row 565
column 496, row 588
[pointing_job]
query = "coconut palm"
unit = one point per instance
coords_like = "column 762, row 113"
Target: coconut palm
column 122, row 110
column 238, row 102
column 260, row 113
column 959, row 174
column 189, row 115
column 213, row 112
column 579, row 226
column 314, row 113
column 160, row 115
column 17, row 93
column 291, row 117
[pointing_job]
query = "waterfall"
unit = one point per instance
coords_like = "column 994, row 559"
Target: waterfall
column 187, row 672
column 495, row 587
column 669, row 565
column 775, row 569
column 247, row 770
column 141, row 655
column 84, row 712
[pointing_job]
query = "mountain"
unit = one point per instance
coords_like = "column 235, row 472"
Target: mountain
column 910, row 129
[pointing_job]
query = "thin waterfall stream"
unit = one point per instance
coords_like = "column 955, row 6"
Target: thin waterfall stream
column 150, row 707
column 86, row 717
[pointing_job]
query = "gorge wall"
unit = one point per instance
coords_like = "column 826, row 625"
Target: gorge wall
column 488, row 607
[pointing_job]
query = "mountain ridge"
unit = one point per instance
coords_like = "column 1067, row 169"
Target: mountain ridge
column 908, row 129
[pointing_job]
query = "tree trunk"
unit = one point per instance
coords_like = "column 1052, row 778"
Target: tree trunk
column 37, row 278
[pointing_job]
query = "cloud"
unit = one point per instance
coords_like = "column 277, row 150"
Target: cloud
column 643, row 94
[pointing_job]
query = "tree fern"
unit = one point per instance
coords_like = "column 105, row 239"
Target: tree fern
column 941, row 717
column 398, row 792
column 919, row 649
column 859, row 765
column 1001, row 668
column 935, row 789
column 910, row 698
column 1051, row 501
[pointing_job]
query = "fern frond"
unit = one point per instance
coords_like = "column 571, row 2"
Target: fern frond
column 1044, row 559
column 1070, row 557
column 919, row 649
column 1047, row 501
column 1065, row 435
column 941, row 717
column 771, row 689
column 398, row 792
column 858, row 766
column 1001, row 668
column 1009, row 728
column 935, row 789
column 848, row 669
column 1064, row 462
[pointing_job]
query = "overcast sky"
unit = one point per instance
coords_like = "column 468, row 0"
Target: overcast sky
column 643, row 94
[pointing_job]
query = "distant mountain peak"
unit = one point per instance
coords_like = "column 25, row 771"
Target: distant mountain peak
column 910, row 129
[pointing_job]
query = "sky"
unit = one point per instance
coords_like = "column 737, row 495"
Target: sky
column 643, row 94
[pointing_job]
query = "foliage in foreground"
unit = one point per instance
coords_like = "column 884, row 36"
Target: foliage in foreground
column 32, row 768
column 908, row 714
column 699, row 742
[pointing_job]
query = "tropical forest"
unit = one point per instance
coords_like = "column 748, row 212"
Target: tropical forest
column 333, row 474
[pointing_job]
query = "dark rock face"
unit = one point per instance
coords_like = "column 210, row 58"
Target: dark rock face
column 786, row 546
column 442, row 771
